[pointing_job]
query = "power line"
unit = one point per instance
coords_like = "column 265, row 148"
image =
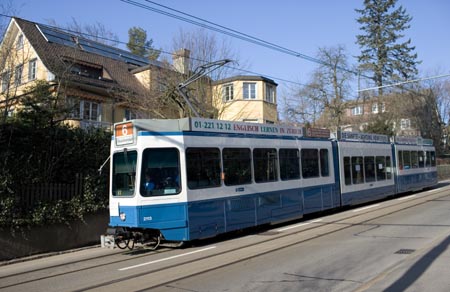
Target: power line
column 231, row 32
column 161, row 51
column 405, row 82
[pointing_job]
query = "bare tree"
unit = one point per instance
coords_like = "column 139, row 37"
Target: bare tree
column 205, row 47
column 327, row 91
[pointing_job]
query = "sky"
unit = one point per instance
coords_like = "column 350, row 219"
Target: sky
column 299, row 25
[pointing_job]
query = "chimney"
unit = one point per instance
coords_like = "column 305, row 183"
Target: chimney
column 181, row 60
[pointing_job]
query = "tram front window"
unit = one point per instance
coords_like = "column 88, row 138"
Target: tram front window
column 124, row 173
column 160, row 174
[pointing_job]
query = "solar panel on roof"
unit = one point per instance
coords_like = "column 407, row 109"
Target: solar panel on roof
column 63, row 38
column 59, row 37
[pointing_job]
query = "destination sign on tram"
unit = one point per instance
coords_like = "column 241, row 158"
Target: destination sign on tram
column 124, row 134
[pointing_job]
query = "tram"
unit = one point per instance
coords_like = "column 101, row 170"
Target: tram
column 185, row 179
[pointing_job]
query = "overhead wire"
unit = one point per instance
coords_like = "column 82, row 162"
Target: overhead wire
column 161, row 51
column 231, row 32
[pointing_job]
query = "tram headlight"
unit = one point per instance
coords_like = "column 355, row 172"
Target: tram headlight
column 123, row 216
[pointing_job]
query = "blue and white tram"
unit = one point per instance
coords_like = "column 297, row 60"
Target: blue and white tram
column 365, row 167
column 416, row 163
column 186, row 179
column 181, row 180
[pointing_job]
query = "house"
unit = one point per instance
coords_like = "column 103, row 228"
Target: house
column 104, row 84
column 403, row 111
column 246, row 98
column 94, row 77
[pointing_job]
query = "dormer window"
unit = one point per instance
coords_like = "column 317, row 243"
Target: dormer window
column 89, row 70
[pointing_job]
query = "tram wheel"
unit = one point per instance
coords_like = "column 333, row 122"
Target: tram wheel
column 154, row 242
column 122, row 244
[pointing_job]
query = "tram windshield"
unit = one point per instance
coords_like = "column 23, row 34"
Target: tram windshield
column 160, row 174
column 124, row 173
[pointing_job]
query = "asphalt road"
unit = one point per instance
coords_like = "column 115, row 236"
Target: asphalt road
column 400, row 244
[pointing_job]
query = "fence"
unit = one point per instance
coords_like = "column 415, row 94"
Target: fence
column 29, row 195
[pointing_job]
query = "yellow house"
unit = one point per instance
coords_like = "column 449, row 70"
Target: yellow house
column 246, row 98
column 92, row 77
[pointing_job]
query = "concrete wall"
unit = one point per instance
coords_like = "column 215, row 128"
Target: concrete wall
column 53, row 238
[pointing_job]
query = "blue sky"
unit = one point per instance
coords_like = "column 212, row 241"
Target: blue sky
column 299, row 25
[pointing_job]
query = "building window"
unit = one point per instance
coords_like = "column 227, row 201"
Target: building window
column 19, row 44
column 5, row 80
column 405, row 124
column 383, row 107
column 227, row 92
column 375, row 108
column 50, row 76
column 357, row 110
column 86, row 110
column 32, row 70
column 270, row 93
column 130, row 115
column 249, row 90
column 91, row 111
column 18, row 75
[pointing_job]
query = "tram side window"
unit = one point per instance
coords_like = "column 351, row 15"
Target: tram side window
column 369, row 168
column 203, row 167
column 414, row 159
column 265, row 164
column 160, row 172
column 388, row 167
column 428, row 160
column 237, row 166
column 380, row 164
column 310, row 163
column 324, row 165
column 124, row 173
column 400, row 159
column 289, row 164
column 347, row 171
column 433, row 158
column 357, row 170
column 421, row 159
column 406, row 159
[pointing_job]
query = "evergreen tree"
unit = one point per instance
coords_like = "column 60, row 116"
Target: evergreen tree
column 383, row 51
column 139, row 45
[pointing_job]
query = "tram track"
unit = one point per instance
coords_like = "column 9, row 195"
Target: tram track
column 219, row 259
column 49, row 268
